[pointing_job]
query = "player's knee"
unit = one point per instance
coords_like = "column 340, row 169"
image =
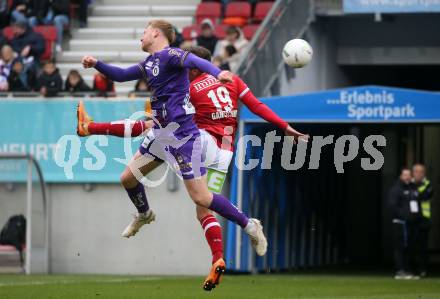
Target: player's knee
column 127, row 180
column 200, row 199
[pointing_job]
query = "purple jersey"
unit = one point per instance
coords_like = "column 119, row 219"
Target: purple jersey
column 168, row 80
column 167, row 76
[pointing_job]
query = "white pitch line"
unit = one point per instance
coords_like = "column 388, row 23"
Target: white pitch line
column 41, row 282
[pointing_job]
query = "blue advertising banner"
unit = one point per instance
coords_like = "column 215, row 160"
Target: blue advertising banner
column 391, row 6
column 357, row 104
column 47, row 130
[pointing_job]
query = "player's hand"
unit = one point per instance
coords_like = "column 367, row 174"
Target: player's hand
column 89, row 61
column 296, row 135
column 26, row 50
column 225, row 77
column 21, row 7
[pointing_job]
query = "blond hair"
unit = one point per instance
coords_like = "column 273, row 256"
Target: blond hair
column 166, row 28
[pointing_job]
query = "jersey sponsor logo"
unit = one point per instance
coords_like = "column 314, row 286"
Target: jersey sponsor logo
column 223, row 114
column 206, row 83
column 174, row 52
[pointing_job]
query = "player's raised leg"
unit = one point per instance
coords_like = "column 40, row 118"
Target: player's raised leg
column 86, row 126
column 210, row 224
column 83, row 120
column 199, row 193
column 213, row 235
column 136, row 192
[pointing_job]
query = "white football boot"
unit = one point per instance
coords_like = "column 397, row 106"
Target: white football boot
column 139, row 220
column 255, row 231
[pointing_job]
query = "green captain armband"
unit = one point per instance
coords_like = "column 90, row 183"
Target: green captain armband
column 216, row 179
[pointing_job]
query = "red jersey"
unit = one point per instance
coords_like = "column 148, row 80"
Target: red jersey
column 216, row 106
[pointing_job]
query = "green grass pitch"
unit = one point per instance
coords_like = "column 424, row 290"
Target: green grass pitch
column 302, row 286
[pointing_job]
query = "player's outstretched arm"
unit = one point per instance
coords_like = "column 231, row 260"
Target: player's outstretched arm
column 114, row 73
column 195, row 62
column 260, row 109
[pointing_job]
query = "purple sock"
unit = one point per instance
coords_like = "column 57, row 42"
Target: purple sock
column 138, row 197
column 224, row 207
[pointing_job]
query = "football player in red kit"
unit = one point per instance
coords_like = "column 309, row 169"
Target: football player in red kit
column 216, row 106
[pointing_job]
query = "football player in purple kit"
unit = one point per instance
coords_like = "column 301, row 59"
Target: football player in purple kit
column 166, row 70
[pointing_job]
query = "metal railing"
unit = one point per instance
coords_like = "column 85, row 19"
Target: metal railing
column 262, row 62
column 32, row 163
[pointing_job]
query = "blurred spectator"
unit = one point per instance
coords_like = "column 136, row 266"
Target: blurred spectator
column 230, row 62
column 52, row 12
column 28, row 44
column 22, row 10
column 179, row 39
column 186, row 44
column 75, row 83
column 4, row 14
column 82, row 12
column 6, row 59
column 221, row 63
column 235, row 38
column 3, row 40
column 50, row 81
column 207, row 39
column 140, row 87
column 403, row 203
column 102, row 85
column 424, row 188
column 217, row 60
column 20, row 79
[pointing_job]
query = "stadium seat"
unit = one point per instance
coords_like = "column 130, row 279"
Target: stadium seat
column 208, row 10
column 8, row 33
column 237, row 13
column 220, row 31
column 50, row 36
column 261, row 11
column 249, row 30
column 190, row 32
column 238, row 9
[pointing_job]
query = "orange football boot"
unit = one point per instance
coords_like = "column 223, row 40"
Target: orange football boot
column 215, row 275
column 83, row 120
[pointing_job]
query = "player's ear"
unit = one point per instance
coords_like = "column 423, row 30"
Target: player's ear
column 156, row 32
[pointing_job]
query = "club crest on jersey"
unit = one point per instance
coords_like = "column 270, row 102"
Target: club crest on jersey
column 155, row 70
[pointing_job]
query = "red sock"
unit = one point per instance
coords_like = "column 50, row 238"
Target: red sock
column 116, row 128
column 213, row 234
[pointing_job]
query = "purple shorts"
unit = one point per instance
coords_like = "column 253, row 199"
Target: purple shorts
column 183, row 155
